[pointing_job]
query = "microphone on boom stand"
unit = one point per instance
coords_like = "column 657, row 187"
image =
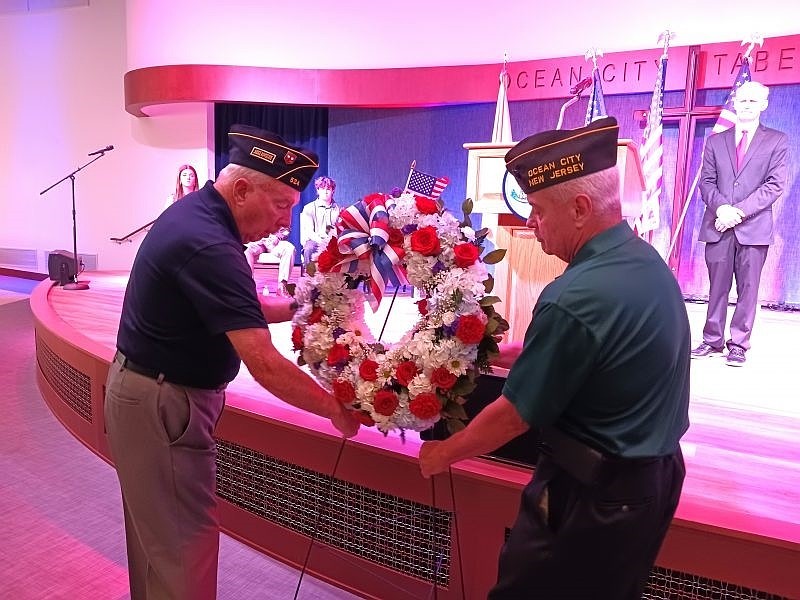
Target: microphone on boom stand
column 74, row 284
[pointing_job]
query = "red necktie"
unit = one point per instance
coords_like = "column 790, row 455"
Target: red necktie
column 741, row 149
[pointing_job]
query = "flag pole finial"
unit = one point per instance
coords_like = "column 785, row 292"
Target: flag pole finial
column 664, row 38
column 593, row 54
column 504, row 72
column 751, row 41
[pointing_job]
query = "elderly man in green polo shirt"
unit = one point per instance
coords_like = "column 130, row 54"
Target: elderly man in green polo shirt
column 603, row 373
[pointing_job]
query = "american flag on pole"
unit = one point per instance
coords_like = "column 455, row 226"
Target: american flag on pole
column 597, row 103
column 653, row 154
column 727, row 118
column 424, row 184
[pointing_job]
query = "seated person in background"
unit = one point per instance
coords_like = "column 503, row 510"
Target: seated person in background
column 318, row 218
column 277, row 245
column 185, row 183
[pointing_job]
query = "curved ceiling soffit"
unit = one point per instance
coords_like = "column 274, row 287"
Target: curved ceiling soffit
column 387, row 88
column 777, row 62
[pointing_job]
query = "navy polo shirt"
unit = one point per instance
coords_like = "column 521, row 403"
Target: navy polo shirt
column 189, row 285
column 606, row 356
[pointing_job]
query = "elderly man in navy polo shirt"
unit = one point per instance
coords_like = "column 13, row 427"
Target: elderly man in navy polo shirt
column 191, row 314
column 603, row 372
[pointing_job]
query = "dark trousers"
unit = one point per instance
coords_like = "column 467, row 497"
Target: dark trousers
column 725, row 259
column 162, row 443
column 575, row 541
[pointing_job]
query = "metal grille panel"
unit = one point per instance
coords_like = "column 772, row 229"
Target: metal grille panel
column 666, row 584
column 72, row 386
column 396, row 533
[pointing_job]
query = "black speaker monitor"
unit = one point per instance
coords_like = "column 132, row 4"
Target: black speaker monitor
column 522, row 449
column 61, row 266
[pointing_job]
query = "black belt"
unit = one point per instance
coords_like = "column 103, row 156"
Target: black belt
column 159, row 376
column 586, row 464
column 127, row 363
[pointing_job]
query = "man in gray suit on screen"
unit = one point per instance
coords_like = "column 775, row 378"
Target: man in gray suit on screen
column 744, row 172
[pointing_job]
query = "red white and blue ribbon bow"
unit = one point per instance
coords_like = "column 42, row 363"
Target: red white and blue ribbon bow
column 363, row 233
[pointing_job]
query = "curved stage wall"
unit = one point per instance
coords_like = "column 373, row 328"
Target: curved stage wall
column 385, row 532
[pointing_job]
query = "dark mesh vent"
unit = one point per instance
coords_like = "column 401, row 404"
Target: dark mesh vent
column 72, row 386
column 406, row 536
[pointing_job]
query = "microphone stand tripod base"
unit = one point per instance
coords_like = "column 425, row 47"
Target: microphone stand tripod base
column 76, row 285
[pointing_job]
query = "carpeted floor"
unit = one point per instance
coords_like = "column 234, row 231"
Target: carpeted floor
column 60, row 508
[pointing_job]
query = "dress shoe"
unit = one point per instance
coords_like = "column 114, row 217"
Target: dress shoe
column 735, row 357
column 704, row 350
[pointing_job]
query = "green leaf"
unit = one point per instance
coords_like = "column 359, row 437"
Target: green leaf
column 495, row 256
column 467, row 222
column 488, row 285
column 311, row 269
column 502, row 324
column 463, row 387
column 466, row 207
column 482, row 233
column 454, row 426
column 491, row 326
column 489, row 300
column 455, row 410
column 489, row 345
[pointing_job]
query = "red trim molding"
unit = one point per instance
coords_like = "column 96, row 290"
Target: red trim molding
column 776, row 62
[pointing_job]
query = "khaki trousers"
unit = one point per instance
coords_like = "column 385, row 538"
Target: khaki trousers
column 161, row 439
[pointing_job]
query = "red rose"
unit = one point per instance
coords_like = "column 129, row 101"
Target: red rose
column 425, row 406
column 442, row 378
column 315, row 316
column 330, row 257
column 368, row 370
column 297, row 338
column 325, row 262
column 406, row 371
column 333, row 249
column 396, row 237
column 343, row 391
column 426, row 206
column 338, row 354
column 426, row 241
column 385, row 402
column 364, row 418
column 422, row 306
column 466, row 254
column 470, row 329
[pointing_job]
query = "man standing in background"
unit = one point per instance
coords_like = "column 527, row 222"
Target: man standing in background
column 744, row 172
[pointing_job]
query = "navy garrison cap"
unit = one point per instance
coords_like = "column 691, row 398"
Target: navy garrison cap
column 553, row 157
column 270, row 154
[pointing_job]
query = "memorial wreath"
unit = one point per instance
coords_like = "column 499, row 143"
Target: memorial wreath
column 426, row 376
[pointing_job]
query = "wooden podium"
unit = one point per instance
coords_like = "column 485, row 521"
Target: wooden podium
column 526, row 270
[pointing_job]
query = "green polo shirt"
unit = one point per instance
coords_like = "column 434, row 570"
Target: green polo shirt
column 606, row 356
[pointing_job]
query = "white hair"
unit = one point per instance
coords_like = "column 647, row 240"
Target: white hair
column 602, row 187
column 232, row 172
column 755, row 86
